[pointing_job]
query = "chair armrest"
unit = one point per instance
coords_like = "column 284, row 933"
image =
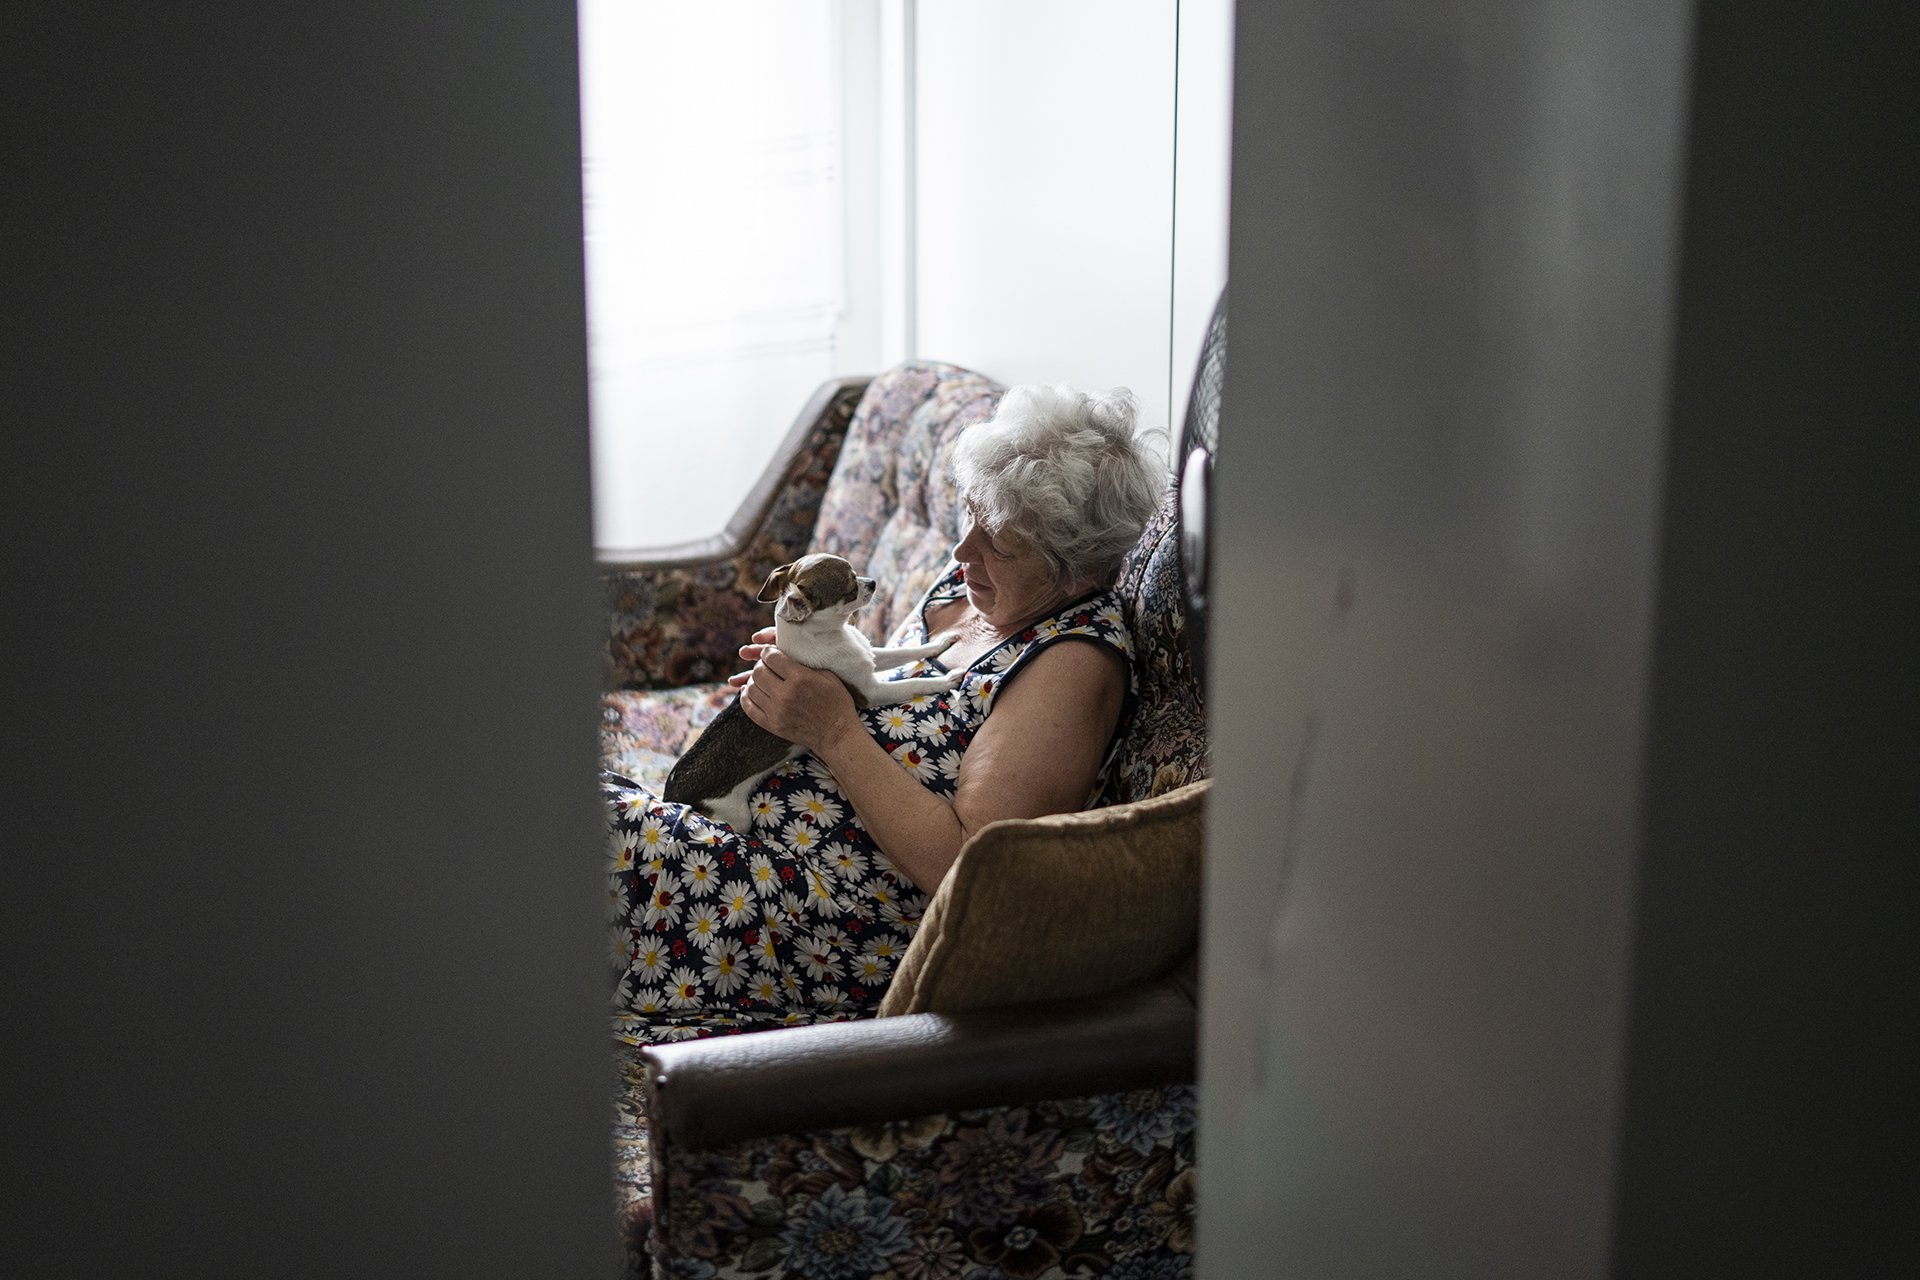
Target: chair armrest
column 702, row 1094
column 676, row 614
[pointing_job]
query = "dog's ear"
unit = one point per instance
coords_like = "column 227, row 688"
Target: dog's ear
column 776, row 582
column 794, row 606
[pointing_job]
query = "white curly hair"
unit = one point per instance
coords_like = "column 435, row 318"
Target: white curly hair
column 1065, row 471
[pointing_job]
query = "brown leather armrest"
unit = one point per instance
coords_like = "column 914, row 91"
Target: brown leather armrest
column 708, row 1093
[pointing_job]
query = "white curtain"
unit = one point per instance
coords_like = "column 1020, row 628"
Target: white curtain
column 714, row 237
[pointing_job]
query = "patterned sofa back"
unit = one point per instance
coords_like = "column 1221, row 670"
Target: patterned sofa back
column 890, row 507
column 1164, row 742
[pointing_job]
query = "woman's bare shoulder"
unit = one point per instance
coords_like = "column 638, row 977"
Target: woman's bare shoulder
column 1041, row 749
column 1076, row 667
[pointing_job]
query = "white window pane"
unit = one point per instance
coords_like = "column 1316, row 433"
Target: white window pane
column 714, row 215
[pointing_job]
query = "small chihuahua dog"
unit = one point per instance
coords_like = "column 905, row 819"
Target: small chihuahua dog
column 813, row 597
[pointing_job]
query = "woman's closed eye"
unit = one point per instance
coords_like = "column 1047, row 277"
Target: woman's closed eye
column 986, row 536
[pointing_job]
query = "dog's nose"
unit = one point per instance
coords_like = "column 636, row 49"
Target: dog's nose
column 866, row 584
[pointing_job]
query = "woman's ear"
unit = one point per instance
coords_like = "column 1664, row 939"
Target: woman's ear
column 776, row 582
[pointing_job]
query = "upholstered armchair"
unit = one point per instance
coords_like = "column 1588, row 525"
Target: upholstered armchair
column 1023, row 1105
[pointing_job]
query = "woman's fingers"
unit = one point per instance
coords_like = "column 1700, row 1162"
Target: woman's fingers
column 755, row 653
column 754, row 700
column 760, row 655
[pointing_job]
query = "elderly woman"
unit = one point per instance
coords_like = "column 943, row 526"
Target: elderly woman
column 803, row 916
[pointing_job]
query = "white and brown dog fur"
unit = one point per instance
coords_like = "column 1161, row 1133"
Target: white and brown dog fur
column 813, row 598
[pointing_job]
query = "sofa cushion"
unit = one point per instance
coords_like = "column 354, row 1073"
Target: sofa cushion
column 643, row 731
column 1061, row 907
column 1163, row 744
column 889, row 507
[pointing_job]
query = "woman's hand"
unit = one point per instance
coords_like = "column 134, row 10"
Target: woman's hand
column 802, row 705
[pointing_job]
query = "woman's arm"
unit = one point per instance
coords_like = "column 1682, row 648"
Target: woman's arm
column 1038, row 753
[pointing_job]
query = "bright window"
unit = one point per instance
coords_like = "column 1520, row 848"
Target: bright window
column 715, row 146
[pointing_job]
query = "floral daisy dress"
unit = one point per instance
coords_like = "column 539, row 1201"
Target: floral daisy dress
column 800, row 918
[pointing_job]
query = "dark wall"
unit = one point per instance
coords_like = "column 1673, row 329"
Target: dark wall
column 1439, row 464
column 1558, row 863
column 300, row 903
column 1767, row 1128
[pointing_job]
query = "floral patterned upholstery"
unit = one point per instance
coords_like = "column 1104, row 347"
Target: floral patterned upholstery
column 643, row 732
column 632, row 1161
column 1100, row 1184
column 1164, row 742
column 1096, row 1185
column 890, row 507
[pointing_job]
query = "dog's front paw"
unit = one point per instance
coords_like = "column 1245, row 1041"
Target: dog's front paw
column 957, row 678
column 943, row 642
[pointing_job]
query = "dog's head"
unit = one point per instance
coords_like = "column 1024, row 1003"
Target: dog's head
column 816, row 584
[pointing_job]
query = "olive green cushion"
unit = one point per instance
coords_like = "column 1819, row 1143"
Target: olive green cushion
column 1077, row 904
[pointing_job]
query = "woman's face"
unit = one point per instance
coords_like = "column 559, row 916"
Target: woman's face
column 1008, row 581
